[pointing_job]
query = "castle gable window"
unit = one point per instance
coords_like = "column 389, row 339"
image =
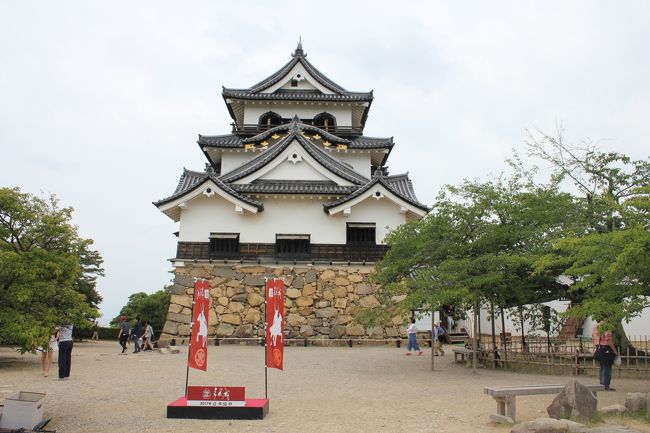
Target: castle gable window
column 290, row 245
column 224, row 244
column 325, row 121
column 270, row 119
column 361, row 234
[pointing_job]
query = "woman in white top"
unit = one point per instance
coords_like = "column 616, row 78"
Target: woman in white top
column 47, row 353
column 412, row 331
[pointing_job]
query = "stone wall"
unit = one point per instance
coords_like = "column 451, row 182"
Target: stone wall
column 320, row 302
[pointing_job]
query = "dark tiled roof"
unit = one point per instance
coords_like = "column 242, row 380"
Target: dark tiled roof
column 191, row 180
column 234, row 141
column 372, row 143
column 299, row 96
column 314, row 151
column 400, row 185
column 228, row 140
column 340, row 94
column 301, row 126
column 293, row 187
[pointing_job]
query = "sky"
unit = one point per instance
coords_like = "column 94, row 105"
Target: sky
column 101, row 103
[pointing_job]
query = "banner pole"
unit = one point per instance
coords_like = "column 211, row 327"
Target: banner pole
column 187, row 367
column 266, row 368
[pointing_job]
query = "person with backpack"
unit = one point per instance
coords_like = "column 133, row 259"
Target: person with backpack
column 438, row 338
column 136, row 334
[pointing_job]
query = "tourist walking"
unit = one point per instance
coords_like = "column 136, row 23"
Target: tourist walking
column 123, row 335
column 147, row 337
column 95, row 336
column 412, row 331
column 136, row 334
column 438, row 337
column 65, row 351
column 605, row 353
column 47, row 352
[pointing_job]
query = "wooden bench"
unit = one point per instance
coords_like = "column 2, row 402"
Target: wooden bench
column 505, row 395
column 463, row 353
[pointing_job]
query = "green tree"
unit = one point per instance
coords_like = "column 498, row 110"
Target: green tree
column 607, row 257
column 152, row 308
column 43, row 282
column 477, row 245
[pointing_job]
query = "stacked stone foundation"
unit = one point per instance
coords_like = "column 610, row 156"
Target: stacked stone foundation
column 320, row 302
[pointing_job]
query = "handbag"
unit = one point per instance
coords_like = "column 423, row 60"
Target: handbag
column 604, row 354
column 617, row 361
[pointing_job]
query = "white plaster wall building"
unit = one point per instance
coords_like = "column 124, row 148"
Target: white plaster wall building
column 295, row 183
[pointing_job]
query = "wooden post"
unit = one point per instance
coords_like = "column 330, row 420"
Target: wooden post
column 475, row 345
column 505, row 339
column 494, row 338
column 433, row 342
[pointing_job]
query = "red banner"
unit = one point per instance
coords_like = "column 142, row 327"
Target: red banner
column 274, row 323
column 198, row 356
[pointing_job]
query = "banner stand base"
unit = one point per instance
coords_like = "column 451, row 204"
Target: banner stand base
column 254, row 409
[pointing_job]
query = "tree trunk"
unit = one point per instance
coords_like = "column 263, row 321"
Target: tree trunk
column 475, row 345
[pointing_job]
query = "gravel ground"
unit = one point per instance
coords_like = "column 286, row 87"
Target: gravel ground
column 321, row 390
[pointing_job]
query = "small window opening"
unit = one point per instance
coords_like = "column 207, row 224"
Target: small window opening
column 325, row 121
column 270, row 120
column 294, row 83
column 224, row 244
column 361, row 234
column 291, row 245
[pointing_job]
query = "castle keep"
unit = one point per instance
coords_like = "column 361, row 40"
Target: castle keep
column 295, row 191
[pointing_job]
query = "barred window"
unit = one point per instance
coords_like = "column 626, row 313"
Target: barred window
column 291, row 245
column 361, row 234
column 224, row 243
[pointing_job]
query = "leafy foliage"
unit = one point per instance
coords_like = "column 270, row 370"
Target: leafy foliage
column 151, row 308
column 47, row 272
column 478, row 244
column 508, row 241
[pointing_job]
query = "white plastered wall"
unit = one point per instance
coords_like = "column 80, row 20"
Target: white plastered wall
column 638, row 326
column 283, row 215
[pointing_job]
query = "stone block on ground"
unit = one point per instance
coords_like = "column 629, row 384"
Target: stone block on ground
column 612, row 429
column 174, row 350
column 614, row 409
column 636, row 401
column 549, row 425
column 163, row 350
column 575, row 397
column 501, row 419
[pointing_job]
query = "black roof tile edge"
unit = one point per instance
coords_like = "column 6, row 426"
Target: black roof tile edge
column 200, row 179
column 383, row 180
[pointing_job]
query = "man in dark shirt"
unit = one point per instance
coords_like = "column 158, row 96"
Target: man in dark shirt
column 136, row 334
column 65, row 351
column 123, row 335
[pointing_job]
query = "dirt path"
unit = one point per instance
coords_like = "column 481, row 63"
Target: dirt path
column 321, row 390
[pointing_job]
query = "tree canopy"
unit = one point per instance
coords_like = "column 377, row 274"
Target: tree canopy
column 507, row 241
column 47, row 271
column 151, row 308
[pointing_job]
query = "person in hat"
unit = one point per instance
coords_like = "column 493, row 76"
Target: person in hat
column 123, row 335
